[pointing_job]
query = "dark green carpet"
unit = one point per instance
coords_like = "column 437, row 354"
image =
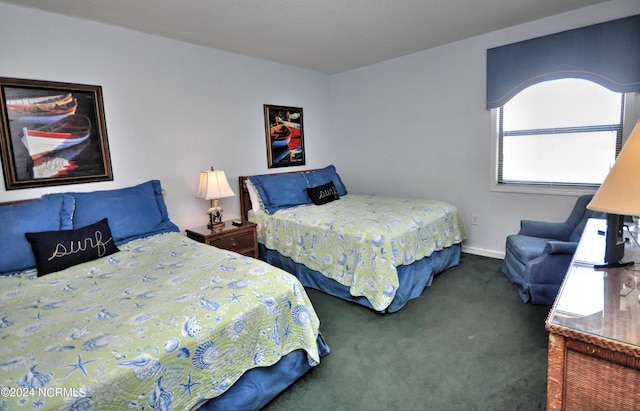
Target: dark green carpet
column 468, row 343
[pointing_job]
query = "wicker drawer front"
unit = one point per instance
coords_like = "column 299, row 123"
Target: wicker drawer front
column 234, row 243
column 598, row 384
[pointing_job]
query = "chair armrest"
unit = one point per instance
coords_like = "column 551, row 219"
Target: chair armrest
column 544, row 229
column 560, row 247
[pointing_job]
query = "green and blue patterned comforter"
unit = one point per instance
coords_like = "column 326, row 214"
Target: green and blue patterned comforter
column 162, row 324
column 359, row 240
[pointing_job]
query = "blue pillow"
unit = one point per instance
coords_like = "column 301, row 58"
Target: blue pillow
column 45, row 214
column 323, row 176
column 133, row 212
column 279, row 191
column 60, row 249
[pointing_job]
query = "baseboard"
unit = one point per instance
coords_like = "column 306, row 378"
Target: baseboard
column 483, row 252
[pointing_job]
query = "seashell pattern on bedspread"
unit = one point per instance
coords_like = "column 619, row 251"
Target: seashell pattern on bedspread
column 359, row 240
column 162, row 324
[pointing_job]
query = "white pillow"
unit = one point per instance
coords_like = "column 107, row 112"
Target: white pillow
column 254, row 196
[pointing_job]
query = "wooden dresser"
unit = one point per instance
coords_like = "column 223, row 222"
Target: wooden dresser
column 594, row 331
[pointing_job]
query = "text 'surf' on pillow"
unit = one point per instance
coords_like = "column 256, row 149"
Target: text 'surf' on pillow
column 323, row 194
column 57, row 250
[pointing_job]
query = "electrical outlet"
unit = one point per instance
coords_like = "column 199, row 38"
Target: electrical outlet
column 474, row 219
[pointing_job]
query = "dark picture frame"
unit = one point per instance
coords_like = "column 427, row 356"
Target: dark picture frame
column 52, row 133
column 284, row 131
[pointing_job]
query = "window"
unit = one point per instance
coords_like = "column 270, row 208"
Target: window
column 564, row 132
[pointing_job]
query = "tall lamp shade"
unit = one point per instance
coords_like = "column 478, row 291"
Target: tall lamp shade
column 619, row 195
column 213, row 186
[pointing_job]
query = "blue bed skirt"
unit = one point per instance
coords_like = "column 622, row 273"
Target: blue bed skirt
column 413, row 278
column 260, row 385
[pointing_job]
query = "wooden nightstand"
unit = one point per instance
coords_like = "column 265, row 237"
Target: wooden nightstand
column 240, row 239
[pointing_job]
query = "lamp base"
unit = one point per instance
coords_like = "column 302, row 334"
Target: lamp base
column 215, row 226
column 617, row 264
column 215, row 216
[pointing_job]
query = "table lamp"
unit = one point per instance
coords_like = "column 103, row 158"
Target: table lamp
column 213, row 186
column 619, row 196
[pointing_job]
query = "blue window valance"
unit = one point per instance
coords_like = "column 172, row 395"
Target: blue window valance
column 606, row 53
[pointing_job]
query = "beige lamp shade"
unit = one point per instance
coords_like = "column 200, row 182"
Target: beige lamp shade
column 213, row 185
column 619, row 193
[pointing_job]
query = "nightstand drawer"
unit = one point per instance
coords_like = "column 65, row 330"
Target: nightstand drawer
column 235, row 242
column 240, row 239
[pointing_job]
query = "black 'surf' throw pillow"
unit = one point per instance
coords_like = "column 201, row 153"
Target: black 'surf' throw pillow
column 323, row 194
column 57, row 250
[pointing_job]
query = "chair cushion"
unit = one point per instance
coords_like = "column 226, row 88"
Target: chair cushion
column 525, row 248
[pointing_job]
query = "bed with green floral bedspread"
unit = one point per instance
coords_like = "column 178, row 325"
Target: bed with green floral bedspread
column 164, row 323
column 361, row 241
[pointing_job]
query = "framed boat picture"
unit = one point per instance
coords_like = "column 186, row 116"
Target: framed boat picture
column 285, row 136
column 52, row 133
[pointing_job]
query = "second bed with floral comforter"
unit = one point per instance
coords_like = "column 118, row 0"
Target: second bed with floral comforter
column 360, row 241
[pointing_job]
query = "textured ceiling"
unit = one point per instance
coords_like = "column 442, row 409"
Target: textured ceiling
column 329, row 36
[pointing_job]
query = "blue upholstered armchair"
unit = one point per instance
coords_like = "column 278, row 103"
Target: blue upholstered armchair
column 537, row 258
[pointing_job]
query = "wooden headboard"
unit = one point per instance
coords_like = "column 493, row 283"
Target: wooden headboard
column 245, row 201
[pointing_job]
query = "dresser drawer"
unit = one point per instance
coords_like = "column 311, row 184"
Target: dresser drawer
column 236, row 242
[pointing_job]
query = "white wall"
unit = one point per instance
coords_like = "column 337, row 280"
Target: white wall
column 414, row 126
column 172, row 109
column 418, row 126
